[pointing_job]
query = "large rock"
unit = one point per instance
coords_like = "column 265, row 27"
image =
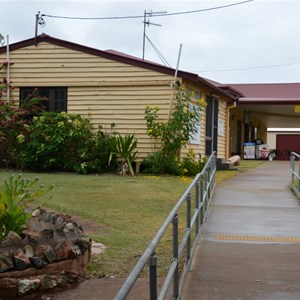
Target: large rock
column 27, row 285
column 21, row 260
column 6, row 262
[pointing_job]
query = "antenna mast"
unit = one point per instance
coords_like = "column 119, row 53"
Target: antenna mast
column 148, row 23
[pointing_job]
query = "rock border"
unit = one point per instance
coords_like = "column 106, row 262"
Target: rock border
column 52, row 253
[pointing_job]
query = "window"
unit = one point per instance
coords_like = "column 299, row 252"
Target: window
column 196, row 94
column 195, row 137
column 56, row 97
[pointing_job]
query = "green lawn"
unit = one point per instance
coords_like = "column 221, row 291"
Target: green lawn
column 129, row 210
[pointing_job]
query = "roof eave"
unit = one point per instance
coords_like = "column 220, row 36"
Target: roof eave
column 230, row 97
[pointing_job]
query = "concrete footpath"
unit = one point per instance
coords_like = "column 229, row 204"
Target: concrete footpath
column 250, row 248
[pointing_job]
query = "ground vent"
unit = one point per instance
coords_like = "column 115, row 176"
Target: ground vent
column 256, row 238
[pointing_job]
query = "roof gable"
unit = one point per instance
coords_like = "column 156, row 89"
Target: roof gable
column 113, row 55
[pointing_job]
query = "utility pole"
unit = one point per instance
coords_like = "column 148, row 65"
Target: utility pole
column 148, row 23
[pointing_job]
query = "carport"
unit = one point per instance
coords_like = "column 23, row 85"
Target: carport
column 278, row 106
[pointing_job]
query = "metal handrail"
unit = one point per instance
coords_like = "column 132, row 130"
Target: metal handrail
column 203, row 186
column 295, row 183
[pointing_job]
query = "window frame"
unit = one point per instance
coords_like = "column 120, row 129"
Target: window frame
column 50, row 91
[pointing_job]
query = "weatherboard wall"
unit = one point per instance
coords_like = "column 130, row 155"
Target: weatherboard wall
column 102, row 90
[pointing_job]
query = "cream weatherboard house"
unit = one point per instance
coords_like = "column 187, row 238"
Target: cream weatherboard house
column 110, row 87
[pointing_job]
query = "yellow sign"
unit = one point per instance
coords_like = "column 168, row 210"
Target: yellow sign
column 297, row 108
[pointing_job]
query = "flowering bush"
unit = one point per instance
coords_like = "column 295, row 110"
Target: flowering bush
column 192, row 165
column 172, row 135
column 13, row 123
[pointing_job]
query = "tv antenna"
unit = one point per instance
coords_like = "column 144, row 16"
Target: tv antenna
column 148, row 23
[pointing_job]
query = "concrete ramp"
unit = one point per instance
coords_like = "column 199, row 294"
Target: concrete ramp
column 250, row 248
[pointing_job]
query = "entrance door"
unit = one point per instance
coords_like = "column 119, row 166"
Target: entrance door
column 212, row 110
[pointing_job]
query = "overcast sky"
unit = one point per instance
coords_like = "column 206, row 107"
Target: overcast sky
column 262, row 36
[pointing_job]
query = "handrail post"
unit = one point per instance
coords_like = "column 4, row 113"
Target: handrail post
column 292, row 164
column 188, row 226
column 197, row 196
column 202, row 200
column 214, row 168
column 175, row 257
column 208, row 183
column 153, row 276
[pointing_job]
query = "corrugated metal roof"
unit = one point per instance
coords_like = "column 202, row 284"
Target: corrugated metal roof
column 263, row 93
column 269, row 90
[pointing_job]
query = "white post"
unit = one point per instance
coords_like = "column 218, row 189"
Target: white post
column 8, row 66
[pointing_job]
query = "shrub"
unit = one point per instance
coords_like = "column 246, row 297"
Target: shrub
column 172, row 135
column 15, row 195
column 56, row 141
column 36, row 140
column 158, row 163
column 99, row 154
column 13, row 124
column 64, row 142
column 192, row 165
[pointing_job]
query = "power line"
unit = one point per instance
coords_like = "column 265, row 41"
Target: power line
column 142, row 16
column 251, row 68
column 205, row 9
